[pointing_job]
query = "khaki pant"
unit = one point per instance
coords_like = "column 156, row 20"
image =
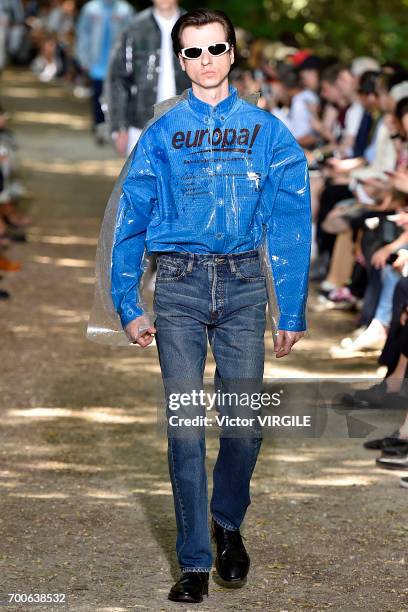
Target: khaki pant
column 342, row 261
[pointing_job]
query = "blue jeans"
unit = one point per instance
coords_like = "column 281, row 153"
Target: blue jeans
column 224, row 297
column 389, row 280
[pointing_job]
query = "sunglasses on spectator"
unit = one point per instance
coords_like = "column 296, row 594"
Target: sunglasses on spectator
column 215, row 49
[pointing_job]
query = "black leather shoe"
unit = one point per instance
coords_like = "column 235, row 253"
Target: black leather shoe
column 374, row 397
column 190, row 588
column 397, row 450
column 393, row 439
column 232, row 560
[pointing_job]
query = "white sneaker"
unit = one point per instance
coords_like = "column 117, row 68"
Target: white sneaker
column 327, row 286
column 82, row 92
column 346, row 342
column 404, row 482
column 373, row 338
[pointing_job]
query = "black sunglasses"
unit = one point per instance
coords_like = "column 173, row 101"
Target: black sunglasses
column 215, row 49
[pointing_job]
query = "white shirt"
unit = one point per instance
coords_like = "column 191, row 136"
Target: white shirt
column 352, row 120
column 298, row 117
column 300, row 114
column 166, row 86
column 354, row 115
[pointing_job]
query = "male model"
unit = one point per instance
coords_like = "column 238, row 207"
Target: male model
column 11, row 13
column 142, row 72
column 99, row 25
column 212, row 182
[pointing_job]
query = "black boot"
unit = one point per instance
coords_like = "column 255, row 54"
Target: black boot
column 190, row 588
column 232, row 560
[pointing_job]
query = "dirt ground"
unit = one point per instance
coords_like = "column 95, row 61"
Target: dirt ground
column 86, row 504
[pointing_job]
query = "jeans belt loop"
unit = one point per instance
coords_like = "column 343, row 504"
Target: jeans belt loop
column 232, row 264
column 190, row 262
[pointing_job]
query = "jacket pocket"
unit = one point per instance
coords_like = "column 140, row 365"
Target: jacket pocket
column 195, row 204
column 245, row 193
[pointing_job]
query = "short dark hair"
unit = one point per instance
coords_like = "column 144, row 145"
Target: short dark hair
column 200, row 17
column 331, row 73
column 390, row 80
column 288, row 76
column 402, row 108
column 368, row 82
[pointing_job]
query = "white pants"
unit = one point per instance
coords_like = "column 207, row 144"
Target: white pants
column 133, row 137
column 4, row 20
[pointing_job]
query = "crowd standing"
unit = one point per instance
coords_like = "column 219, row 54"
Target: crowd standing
column 351, row 120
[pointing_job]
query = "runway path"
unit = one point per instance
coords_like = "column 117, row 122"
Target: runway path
column 86, row 506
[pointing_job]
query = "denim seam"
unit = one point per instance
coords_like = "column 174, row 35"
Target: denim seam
column 221, row 301
column 213, row 289
column 250, row 278
column 225, row 525
column 254, row 460
column 170, row 278
column 179, row 498
column 166, row 263
column 196, row 569
column 258, row 440
column 240, row 275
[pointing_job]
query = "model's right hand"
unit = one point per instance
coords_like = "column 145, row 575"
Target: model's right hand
column 284, row 341
column 140, row 332
column 121, row 142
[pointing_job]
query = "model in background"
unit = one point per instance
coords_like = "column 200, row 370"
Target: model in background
column 99, row 25
column 11, row 19
column 143, row 71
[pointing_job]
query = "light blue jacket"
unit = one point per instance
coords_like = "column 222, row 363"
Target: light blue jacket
column 90, row 29
column 14, row 9
column 221, row 179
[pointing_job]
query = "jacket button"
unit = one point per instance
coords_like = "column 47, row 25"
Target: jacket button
column 219, row 236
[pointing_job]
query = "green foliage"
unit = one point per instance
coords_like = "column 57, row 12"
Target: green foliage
column 344, row 28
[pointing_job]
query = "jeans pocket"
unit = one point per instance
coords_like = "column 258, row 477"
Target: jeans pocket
column 170, row 268
column 249, row 269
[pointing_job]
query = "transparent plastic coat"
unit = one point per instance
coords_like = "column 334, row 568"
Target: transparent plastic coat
column 203, row 179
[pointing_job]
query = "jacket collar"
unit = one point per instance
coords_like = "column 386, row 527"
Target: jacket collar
column 162, row 107
column 221, row 110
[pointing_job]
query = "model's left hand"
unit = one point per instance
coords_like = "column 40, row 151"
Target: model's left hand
column 283, row 342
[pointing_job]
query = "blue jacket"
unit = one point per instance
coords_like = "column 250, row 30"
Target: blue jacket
column 13, row 9
column 221, row 179
column 91, row 29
